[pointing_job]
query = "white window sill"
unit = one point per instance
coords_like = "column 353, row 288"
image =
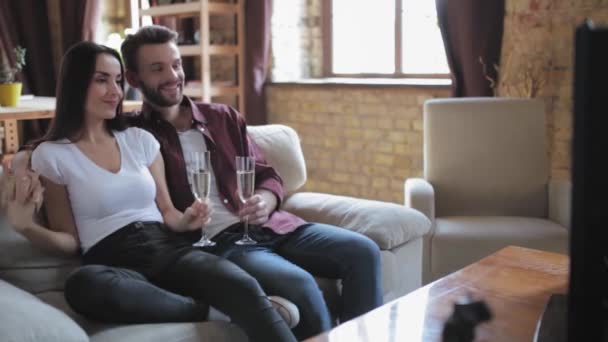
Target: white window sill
column 410, row 82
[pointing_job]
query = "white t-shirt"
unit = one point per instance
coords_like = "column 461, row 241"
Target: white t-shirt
column 221, row 218
column 103, row 202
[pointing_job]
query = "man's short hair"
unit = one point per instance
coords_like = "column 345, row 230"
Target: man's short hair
column 152, row 34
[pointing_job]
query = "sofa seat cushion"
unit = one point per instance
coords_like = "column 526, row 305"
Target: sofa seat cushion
column 220, row 331
column 24, row 318
column 29, row 268
column 388, row 224
column 461, row 240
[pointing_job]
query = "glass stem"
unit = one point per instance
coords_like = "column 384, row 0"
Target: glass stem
column 246, row 227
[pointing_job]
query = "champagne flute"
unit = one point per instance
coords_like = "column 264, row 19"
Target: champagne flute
column 200, row 183
column 245, row 181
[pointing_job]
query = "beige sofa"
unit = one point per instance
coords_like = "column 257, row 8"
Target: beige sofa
column 31, row 283
column 486, row 182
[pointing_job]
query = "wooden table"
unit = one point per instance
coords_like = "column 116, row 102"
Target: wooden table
column 515, row 282
column 37, row 107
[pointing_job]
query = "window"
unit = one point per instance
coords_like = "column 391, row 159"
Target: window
column 383, row 38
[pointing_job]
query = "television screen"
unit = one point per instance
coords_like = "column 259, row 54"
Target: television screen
column 587, row 300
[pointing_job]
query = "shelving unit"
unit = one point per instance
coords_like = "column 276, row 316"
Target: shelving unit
column 204, row 50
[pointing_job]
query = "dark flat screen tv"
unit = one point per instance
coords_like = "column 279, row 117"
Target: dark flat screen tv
column 588, row 286
column 582, row 314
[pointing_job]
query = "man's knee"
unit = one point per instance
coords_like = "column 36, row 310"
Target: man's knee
column 364, row 251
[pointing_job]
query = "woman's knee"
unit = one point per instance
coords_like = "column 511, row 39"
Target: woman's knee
column 88, row 286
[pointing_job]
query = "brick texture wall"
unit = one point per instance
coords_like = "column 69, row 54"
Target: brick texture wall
column 358, row 141
column 538, row 42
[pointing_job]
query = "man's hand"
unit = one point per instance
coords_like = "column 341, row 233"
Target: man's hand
column 259, row 207
column 196, row 216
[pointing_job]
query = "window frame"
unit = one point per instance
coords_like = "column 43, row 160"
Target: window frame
column 326, row 29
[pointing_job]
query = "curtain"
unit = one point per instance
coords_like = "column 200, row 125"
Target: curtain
column 24, row 23
column 257, row 47
column 79, row 20
column 471, row 29
column 27, row 23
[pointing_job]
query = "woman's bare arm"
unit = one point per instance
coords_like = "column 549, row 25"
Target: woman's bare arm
column 23, row 195
column 193, row 218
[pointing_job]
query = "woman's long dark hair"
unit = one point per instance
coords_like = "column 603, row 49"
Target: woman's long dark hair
column 76, row 73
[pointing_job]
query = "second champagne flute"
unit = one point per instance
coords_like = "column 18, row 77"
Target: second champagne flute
column 200, row 181
column 245, row 181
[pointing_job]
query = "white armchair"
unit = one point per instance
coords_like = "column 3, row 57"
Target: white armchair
column 486, row 182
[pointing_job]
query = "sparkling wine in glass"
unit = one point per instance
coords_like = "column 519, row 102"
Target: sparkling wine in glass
column 245, row 181
column 200, row 183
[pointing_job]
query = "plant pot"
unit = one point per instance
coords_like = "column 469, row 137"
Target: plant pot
column 9, row 94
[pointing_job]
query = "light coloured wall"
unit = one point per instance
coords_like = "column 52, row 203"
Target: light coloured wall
column 538, row 50
column 360, row 141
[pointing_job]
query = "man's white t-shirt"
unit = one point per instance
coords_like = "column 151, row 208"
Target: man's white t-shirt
column 103, row 202
column 221, row 218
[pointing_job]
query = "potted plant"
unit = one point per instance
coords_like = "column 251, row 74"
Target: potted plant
column 9, row 89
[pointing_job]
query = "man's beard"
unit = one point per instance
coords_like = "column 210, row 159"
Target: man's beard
column 154, row 96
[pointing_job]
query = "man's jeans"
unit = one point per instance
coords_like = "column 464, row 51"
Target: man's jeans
column 285, row 267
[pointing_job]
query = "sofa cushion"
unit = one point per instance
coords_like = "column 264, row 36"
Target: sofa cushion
column 158, row 332
column 281, row 147
column 24, row 318
column 29, row 268
column 459, row 240
column 388, row 224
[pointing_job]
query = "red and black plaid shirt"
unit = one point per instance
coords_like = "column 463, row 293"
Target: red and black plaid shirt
column 226, row 137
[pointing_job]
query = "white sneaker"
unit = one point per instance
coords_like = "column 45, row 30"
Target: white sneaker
column 288, row 310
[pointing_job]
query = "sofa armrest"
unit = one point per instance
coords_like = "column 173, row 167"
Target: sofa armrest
column 560, row 197
column 388, row 224
column 25, row 318
column 419, row 195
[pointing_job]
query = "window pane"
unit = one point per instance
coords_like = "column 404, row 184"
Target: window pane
column 363, row 36
column 423, row 51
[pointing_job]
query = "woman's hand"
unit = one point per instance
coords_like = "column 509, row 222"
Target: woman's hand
column 195, row 216
column 23, row 197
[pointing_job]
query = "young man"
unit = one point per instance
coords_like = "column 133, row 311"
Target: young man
column 291, row 251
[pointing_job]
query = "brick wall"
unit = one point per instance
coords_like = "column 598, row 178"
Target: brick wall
column 360, row 141
column 538, row 40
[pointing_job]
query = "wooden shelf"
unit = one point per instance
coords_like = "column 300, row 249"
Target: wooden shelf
column 215, row 91
column 203, row 51
column 225, row 49
column 224, row 90
column 219, row 8
column 196, row 50
column 190, row 50
column 193, row 91
column 189, row 8
column 173, row 9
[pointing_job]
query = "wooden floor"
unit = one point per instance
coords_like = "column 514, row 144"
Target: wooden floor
column 515, row 282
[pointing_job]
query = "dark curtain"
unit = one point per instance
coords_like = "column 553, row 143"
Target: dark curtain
column 471, row 29
column 257, row 47
column 79, row 20
column 26, row 23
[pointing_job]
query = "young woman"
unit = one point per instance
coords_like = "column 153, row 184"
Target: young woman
column 106, row 196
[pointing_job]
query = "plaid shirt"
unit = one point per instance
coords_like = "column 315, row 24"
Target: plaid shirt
column 225, row 132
